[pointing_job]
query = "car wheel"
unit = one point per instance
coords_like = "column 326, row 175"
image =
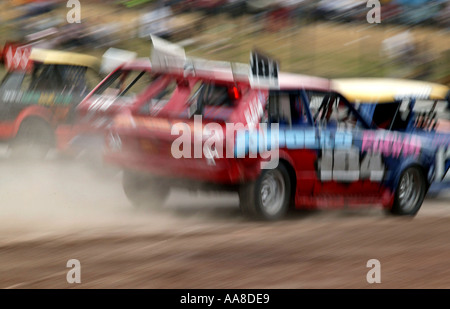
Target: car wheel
column 34, row 139
column 411, row 190
column 267, row 197
column 144, row 191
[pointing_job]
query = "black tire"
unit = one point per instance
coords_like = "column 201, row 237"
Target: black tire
column 144, row 191
column 410, row 192
column 33, row 140
column 251, row 195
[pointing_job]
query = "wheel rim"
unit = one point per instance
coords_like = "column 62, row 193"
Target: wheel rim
column 272, row 192
column 409, row 189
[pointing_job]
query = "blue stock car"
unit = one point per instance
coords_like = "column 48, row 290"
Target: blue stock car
column 412, row 108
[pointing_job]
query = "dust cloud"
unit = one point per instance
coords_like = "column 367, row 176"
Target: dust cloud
column 60, row 209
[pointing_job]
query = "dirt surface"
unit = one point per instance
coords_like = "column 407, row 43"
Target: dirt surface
column 59, row 210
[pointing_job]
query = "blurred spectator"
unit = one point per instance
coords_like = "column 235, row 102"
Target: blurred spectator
column 419, row 11
column 443, row 16
column 400, row 47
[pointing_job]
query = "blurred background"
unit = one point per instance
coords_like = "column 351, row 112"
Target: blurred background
column 329, row 38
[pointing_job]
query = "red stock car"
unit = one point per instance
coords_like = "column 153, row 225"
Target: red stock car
column 127, row 87
column 40, row 99
column 40, row 92
column 318, row 151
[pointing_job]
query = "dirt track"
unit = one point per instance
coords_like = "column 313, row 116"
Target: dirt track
column 56, row 211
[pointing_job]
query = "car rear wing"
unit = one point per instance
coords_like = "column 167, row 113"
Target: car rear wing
column 171, row 58
column 262, row 72
column 115, row 57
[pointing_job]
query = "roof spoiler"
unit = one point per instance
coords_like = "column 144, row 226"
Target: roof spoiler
column 168, row 57
column 115, row 57
column 263, row 71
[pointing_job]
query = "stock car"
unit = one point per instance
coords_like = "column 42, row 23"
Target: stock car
column 280, row 140
column 39, row 92
column 408, row 106
column 131, row 86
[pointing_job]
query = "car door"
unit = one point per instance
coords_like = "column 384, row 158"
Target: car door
column 298, row 144
column 344, row 167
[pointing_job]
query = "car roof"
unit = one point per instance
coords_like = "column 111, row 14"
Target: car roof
column 229, row 72
column 385, row 90
column 138, row 64
column 291, row 81
column 170, row 57
column 48, row 56
column 206, row 69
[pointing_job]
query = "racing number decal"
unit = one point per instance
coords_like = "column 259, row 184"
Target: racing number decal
column 344, row 165
column 372, row 167
column 339, row 164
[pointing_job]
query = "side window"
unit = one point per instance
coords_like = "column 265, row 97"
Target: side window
column 333, row 112
column 74, row 79
column 194, row 102
column 428, row 114
column 134, row 83
column 393, row 115
column 12, row 84
column 125, row 84
column 92, row 79
column 37, row 80
column 13, row 81
column 165, row 94
column 47, row 78
column 110, row 86
column 385, row 113
column 207, row 96
column 216, row 95
column 286, row 109
column 157, row 102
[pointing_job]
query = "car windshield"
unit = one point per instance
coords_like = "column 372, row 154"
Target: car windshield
column 47, row 84
column 125, row 84
column 161, row 98
column 428, row 113
column 65, row 78
column 332, row 110
column 399, row 115
column 213, row 100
